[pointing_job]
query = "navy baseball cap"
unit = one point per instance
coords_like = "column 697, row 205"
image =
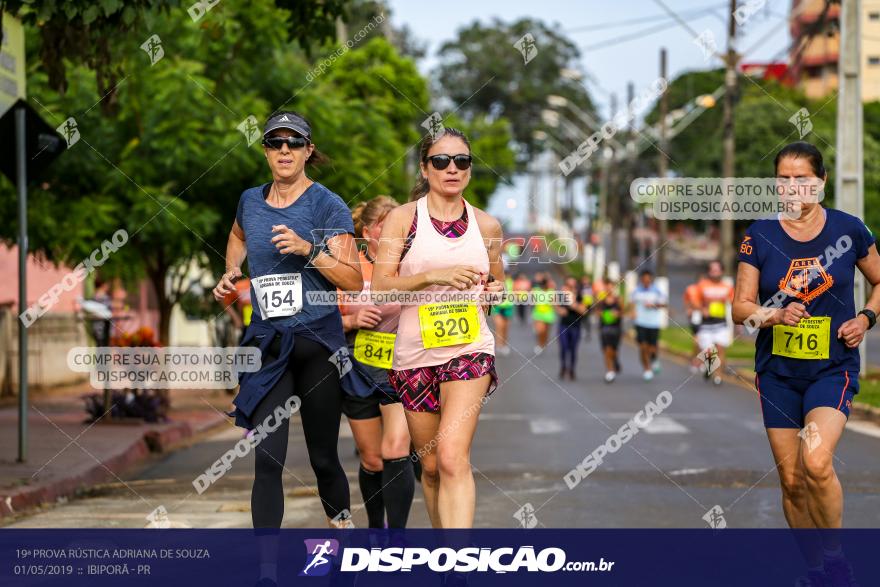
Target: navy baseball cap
column 290, row 121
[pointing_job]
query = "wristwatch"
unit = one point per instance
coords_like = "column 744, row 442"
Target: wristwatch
column 871, row 316
column 318, row 248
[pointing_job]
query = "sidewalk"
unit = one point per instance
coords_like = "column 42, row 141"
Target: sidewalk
column 66, row 455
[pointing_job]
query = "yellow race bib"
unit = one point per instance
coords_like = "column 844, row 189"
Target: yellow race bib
column 810, row 339
column 374, row 348
column 447, row 324
column 717, row 310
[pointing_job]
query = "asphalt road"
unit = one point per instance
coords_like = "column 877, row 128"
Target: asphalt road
column 707, row 449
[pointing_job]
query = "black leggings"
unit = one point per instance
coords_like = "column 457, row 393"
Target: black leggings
column 315, row 380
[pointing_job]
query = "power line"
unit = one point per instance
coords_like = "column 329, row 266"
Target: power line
column 631, row 21
column 630, row 37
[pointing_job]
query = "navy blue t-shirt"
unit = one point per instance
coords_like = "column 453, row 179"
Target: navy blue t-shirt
column 818, row 274
column 317, row 214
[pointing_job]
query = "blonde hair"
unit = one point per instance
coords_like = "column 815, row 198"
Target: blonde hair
column 371, row 212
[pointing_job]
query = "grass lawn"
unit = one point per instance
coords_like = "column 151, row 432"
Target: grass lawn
column 679, row 339
column 743, row 352
column 869, row 392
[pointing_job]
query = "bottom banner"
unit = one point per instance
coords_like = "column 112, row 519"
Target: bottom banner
column 166, row 558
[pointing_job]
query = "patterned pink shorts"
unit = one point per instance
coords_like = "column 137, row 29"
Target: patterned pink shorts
column 419, row 388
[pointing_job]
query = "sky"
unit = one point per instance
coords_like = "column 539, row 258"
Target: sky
column 619, row 42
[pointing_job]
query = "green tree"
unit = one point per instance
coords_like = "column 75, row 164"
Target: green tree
column 762, row 117
column 170, row 167
column 481, row 72
column 84, row 32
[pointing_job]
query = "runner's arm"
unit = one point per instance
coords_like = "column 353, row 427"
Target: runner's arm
column 869, row 265
column 745, row 299
column 490, row 228
column 236, row 247
column 236, row 252
column 343, row 266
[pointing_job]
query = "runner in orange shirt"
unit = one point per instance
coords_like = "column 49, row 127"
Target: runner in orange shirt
column 716, row 297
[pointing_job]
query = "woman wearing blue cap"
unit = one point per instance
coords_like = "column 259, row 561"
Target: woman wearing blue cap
column 298, row 238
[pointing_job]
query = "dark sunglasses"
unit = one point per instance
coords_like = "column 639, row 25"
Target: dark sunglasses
column 442, row 161
column 291, row 142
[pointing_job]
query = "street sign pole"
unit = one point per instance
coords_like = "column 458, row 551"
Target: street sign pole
column 21, row 180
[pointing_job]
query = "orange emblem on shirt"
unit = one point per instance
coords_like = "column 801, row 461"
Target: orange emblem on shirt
column 806, row 279
column 745, row 248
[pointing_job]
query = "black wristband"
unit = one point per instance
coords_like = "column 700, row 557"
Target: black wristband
column 317, row 249
column 871, row 316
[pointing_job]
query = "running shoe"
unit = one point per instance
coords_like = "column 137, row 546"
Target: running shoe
column 648, row 375
column 839, row 573
column 694, row 369
column 656, row 366
column 503, row 350
column 717, row 380
column 538, row 349
column 609, row 376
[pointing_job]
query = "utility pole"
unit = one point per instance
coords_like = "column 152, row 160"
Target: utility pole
column 628, row 208
column 612, row 197
column 729, row 142
column 662, row 167
column 849, row 162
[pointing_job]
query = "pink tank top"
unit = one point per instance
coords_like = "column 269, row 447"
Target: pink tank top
column 430, row 250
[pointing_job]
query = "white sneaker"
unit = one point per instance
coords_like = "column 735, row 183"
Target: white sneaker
column 504, row 350
column 694, row 369
column 717, row 380
column 538, row 349
column 656, row 366
column 609, row 376
column 648, row 375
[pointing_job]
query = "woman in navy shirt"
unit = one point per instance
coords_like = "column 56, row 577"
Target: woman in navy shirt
column 298, row 238
column 795, row 284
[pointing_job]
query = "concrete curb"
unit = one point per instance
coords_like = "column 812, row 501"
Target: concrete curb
column 153, row 441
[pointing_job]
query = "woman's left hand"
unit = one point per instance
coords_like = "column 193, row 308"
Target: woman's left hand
column 492, row 291
column 287, row 241
column 853, row 331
